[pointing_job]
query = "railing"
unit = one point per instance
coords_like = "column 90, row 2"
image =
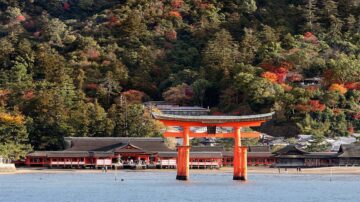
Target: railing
column 170, row 162
column 204, row 164
column 67, row 163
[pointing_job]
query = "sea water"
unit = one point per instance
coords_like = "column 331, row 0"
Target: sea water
column 161, row 186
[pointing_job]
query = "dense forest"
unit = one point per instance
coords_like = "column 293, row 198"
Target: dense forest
column 83, row 67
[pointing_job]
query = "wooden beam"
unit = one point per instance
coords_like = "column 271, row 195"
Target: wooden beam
column 217, row 135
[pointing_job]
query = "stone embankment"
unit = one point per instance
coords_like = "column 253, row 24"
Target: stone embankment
column 9, row 167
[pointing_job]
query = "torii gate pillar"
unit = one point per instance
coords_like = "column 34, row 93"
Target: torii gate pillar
column 240, row 157
column 183, row 156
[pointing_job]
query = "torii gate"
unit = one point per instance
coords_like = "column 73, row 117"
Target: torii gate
column 236, row 122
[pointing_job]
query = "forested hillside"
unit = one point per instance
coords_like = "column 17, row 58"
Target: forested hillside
column 82, row 67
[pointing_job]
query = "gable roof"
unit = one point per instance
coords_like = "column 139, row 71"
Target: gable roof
column 259, row 149
column 290, row 150
column 349, row 151
column 111, row 144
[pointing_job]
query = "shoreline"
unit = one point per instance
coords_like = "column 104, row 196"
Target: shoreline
column 251, row 170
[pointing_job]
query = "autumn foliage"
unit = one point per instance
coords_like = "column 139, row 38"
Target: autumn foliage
column 272, row 77
column 177, row 3
column 338, row 88
column 134, row 96
column 21, row 18
column 175, row 14
column 311, row 106
column 11, row 119
column 276, row 73
column 352, row 85
column 171, row 35
column 310, row 37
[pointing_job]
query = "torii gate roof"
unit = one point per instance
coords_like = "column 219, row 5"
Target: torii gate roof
column 213, row 119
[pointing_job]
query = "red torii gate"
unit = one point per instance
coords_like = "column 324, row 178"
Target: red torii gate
column 236, row 122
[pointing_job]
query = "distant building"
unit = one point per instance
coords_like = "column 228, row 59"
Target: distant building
column 293, row 156
column 315, row 81
column 168, row 108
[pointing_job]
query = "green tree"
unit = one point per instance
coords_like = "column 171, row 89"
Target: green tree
column 199, row 87
column 220, row 55
column 14, row 142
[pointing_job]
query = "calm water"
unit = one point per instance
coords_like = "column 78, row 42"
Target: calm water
column 162, row 186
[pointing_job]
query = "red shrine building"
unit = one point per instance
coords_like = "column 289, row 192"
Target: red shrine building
column 120, row 152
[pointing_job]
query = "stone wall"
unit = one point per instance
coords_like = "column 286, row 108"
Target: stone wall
column 5, row 166
column 9, row 167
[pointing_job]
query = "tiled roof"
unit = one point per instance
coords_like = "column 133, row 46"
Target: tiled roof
column 349, row 151
column 213, row 119
column 115, row 143
column 259, row 148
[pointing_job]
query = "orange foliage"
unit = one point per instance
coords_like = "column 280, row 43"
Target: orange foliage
column 134, row 96
column 316, row 105
column 21, row 18
column 93, row 54
column 270, row 76
column 171, row 35
column 175, row 14
column 338, row 87
column 312, row 105
column 310, row 37
column 336, row 110
column 28, row 95
column 177, row 3
column 12, row 119
column 92, row 86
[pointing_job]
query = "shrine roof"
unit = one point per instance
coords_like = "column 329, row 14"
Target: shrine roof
column 212, row 118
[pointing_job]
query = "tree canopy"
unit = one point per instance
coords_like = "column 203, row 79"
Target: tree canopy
column 66, row 66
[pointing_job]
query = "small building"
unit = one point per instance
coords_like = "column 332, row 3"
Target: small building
column 168, row 108
column 349, row 155
column 293, row 157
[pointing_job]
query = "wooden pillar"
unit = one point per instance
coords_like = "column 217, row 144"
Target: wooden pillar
column 240, row 161
column 183, row 156
column 243, row 152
